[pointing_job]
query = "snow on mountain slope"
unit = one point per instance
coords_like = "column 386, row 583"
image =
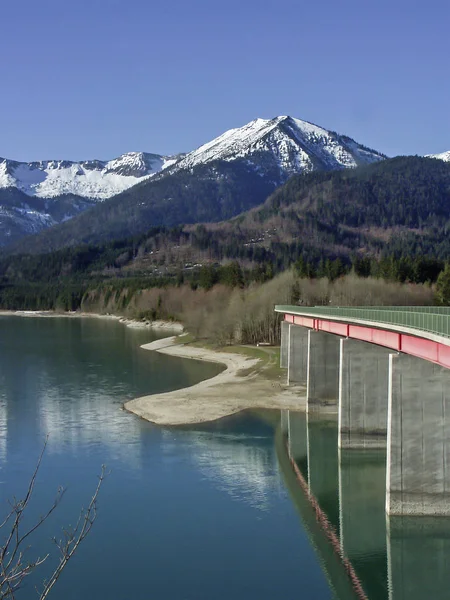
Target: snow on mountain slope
column 289, row 145
column 18, row 222
column 260, row 156
column 445, row 156
column 93, row 179
column 292, row 145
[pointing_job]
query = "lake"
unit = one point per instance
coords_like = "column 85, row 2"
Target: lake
column 185, row 513
column 200, row 512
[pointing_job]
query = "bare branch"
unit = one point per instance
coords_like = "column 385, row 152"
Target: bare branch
column 20, row 506
column 14, row 568
column 74, row 538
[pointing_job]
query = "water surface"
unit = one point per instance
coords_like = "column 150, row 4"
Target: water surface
column 185, row 513
column 396, row 558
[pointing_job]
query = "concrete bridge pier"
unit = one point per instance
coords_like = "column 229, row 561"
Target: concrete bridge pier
column 322, row 386
column 363, row 394
column 418, row 442
column 298, row 354
column 284, row 348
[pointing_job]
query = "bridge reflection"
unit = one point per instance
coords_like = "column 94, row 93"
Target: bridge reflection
column 394, row 558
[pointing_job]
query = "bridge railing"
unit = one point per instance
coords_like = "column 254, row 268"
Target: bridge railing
column 438, row 310
column 432, row 319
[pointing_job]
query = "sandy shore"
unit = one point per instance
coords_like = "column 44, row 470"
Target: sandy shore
column 169, row 325
column 229, row 392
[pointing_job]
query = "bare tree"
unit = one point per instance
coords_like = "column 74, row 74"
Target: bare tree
column 15, row 565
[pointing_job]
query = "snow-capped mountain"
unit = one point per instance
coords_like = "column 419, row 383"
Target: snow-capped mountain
column 445, row 156
column 218, row 180
column 291, row 145
column 91, row 179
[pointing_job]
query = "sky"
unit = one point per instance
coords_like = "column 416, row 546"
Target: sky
column 98, row 78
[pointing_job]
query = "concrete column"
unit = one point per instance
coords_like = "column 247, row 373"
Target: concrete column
column 298, row 354
column 418, row 442
column 322, row 387
column 284, row 347
column 418, row 551
column 297, row 441
column 363, row 394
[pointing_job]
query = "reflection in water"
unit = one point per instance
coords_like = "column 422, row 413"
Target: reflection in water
column 323, row 466
column 3, row 427
column 70, row 377
column 167, row 489
column 241, row 465
column 61, row 421
column 331, row 564
column 396, row 558
column 362, row 485
column 192, row 514
column 418, row 554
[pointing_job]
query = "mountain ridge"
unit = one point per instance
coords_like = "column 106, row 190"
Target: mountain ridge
column 230, row 174
column 394, row 211
column 445, row 156
column 300, row 137
column 90, row 179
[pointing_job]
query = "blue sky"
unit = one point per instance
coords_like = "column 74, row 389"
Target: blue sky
column 97, row 78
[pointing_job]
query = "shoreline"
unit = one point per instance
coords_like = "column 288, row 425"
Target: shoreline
column 229, row 392
column 133, row 323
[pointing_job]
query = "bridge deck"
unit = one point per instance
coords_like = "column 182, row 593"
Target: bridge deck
column 430, row 319
column 422, row 331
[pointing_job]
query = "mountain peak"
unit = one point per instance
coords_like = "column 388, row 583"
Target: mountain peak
column 293, row 144
column 93, row 179
column 445, row 156
column 246, row 164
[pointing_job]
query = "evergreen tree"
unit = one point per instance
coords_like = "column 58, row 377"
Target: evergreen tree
column 443, row 286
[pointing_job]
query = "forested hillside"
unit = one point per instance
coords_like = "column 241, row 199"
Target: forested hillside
column 214, row 192
column 411, row 192
column 220, row 179
column 388, row 220
column 21, row 214
column 399, row 206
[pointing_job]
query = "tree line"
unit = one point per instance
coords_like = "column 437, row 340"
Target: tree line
column 67, row 292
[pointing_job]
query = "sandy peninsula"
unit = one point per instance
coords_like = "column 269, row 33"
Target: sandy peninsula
column 240, row 386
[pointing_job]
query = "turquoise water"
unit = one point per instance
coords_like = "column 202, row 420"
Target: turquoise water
column 185, row 513
column 396, row 558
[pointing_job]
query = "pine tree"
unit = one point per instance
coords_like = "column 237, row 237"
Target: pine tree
column 443, row 286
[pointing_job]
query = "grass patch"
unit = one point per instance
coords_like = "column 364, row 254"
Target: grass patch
column 185, row 338
column 268, row 357
column 250, row 352
column 268, row 365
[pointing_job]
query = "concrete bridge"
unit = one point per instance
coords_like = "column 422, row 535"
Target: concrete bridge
column 386, row 371
column 395, row 557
